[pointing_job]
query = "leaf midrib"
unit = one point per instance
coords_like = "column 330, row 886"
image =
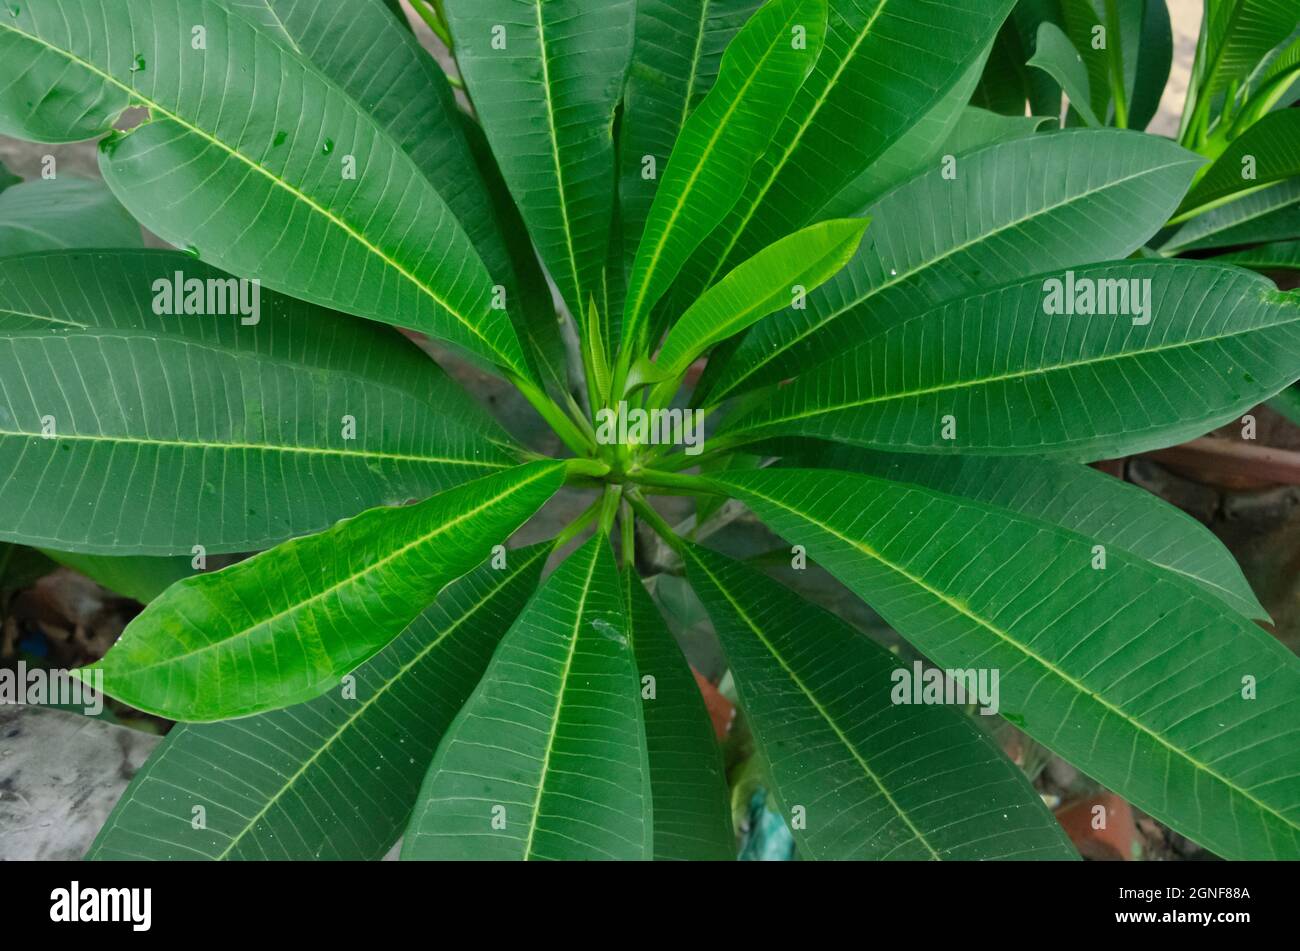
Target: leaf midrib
column 825, row 715
column 296, row 193
column 961, row 608
column 559, row 701
column 1003, row 377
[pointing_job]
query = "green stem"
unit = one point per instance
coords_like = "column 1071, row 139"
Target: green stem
column 655, row 521
column 585, row 469
column 1115, row 56
column 433, row 19
column 578, row 525
column 627, row 537
column 569, row 434
column 671, row 480
column 609, row 507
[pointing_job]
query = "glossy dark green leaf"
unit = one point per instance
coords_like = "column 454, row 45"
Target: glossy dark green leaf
column 336, row 777
column 545, row 76
column 1134, row 675
column 1277, row 256
column 63, row 213
column 208, row 430
column 1014, row 209
column 1072, row 496
column 1181, row 348
column 238, row 177
column 288, row 624
column 1057, row 57
column 870, row 778
column 1155, row 52
column 1238, row 34
column 719, row 143
column 1270, row 214
column 548, row 758
column 692, row 817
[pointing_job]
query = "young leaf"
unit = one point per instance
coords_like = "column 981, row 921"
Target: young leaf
column 224, row 176
column 332, row 416
column 1072, row 496
column 334, row 778
column 63, row 213
column 776, row 277
column 1270, row 214
column 1013, row 209
column 675, row 60
column 1133, row 674
column 1056, row 56
column 720, row 142
column 548, row 758
column 1181, row 348
column 1238, row 34
column 870, row 778
column 286, row 625
column 692, row 818
column 545, row 76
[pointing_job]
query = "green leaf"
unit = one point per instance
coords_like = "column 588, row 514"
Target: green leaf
column 63, row 213
column 1131, row 673
column 334, row 778
column 1056, row 56
column 719, row 143
column 1005, row 84
column 19, row 567
column 286, row 625
column 143, row 407
column 692, row 817
column 548, row 758
column 235, row 176
column 1155, row 52
column 377, row 61
column 1071, row 496
column 1278, row 256
column 1239, row 34
column 545, row 76
column 874, row 79
column 1267, row 152
column 993, row 374
column 8, row 178
column 911, row 154
column 1014, row 209
column 1270, row 214
column 876, row 779
column 675, row 59
column 776, row 277
column 136, row 576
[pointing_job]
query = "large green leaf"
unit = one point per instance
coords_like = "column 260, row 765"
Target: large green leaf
column 286, row 625
column 208, row 431
column 692, row 818
column 875, row 779
column 778, row 276
column 1267, row 152
column 377, row 61
column 239, row 177
column 1072, row 496
column 1014, row 209
column 545, row 76
column 874, row 80
column 1270, row 214
column 63, row 213
column 675, row 60
column 1133, row 674
column 548, row 758
column 1155, row 53
column 993, row 373
column 333, row 778
column 719, row 143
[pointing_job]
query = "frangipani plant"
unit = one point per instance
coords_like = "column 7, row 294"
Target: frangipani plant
column 911, row 410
